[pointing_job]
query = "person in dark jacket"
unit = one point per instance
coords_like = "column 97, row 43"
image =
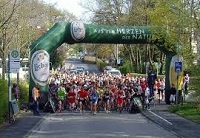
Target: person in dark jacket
column 15, row 91
column 151, row 81
column 172, row 94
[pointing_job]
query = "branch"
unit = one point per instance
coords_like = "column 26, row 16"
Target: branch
column 13, row 10
column 195, row 16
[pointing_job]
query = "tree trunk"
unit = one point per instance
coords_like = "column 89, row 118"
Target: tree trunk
column 4, row 51
column 3, row 66
column 140, row 59
column 133, row 58
column 161, row 61
column 198, row 50
column 129, row 49
column 137, row 60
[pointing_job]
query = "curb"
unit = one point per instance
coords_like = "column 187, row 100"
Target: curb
column 159, row 124
column 17, row 116
column 35, row 126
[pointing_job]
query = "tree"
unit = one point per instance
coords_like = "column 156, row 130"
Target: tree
column 22, row 22
column 8, row 9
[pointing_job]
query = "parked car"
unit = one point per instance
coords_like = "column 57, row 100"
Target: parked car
column 71, row 71
column 107, row 68
column 80, row 69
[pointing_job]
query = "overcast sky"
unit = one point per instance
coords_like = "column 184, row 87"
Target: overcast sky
column 70, row 5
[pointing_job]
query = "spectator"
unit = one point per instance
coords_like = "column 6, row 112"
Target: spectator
column 36, row 96
column 172, row 94
column 185, row 83
column 151, row 81
column 147, row 98
column 15, row 91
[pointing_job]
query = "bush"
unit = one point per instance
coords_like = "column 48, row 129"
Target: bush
column 4, row 100
column 24, row 92
column 24, row 96
column 100, row 64
column 126, row 68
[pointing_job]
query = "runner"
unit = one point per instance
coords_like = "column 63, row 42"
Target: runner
column 82, row 95
column 71, row 99
column 120, row 98
column 61, row 97
column 106, row 99
column 100, row 98
column 94, row 100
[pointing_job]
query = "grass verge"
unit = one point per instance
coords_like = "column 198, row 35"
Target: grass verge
column 188, row 110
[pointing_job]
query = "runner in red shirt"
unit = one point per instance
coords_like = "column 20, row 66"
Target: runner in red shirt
column 82, row 95
column 120, row 98
column 71, row 99
column 143, row 84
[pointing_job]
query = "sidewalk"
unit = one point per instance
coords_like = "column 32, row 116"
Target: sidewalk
column 174, row 123
column 21, row 127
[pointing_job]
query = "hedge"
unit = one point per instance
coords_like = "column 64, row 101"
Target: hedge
column 24, row 92
column 4, row 100
column 23, row 97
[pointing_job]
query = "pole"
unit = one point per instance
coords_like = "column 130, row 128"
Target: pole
column 17, row 78
column 177, row 89
column 9, row 90
column 178, row 52
column 117, row 56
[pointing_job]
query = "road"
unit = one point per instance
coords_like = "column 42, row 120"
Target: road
column 102, row 125
column 77, row 62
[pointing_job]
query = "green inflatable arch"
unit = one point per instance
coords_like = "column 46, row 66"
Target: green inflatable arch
column 77, row 32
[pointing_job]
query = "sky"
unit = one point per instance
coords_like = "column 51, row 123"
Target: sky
column 70, row 5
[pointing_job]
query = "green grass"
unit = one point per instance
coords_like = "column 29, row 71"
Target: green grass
column 189, row 110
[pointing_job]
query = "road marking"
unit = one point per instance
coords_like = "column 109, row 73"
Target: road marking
column 161, row 118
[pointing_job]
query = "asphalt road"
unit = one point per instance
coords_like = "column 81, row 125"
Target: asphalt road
column 77, row 63
column 102, row 125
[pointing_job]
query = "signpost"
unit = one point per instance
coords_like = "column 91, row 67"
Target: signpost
column 178, row 69
column 13, row 67
column 14, row 61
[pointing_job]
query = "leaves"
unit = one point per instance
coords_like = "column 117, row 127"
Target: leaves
column 22, row 22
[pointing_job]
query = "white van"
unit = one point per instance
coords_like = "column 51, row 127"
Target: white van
column 115, row 72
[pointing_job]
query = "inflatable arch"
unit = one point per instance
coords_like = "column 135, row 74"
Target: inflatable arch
column 77, row 32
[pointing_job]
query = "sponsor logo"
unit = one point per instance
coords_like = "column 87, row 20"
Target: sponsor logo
column 77, row 31
column 40, row 67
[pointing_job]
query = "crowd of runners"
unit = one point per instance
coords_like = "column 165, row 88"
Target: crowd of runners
column 102, row 92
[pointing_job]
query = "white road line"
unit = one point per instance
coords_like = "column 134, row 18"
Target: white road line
column 161, row 118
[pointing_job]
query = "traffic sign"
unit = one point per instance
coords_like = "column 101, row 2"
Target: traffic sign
column 14, row 61
column 178, row 66
column 15, row 55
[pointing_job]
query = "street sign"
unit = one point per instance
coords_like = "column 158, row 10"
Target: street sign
column 14, row 61
column 15, row 55
column 178, row 66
